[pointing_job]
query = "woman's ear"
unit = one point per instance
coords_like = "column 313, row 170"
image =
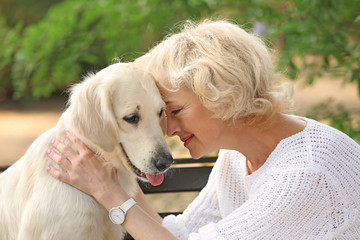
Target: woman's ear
column 92, row 115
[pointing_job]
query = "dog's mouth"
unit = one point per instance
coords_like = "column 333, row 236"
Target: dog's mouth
column 154, row 179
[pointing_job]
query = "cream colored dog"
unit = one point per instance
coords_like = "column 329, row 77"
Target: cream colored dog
column 117, row 114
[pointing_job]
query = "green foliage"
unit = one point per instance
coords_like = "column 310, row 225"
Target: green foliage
column 24, row 11
column 53, row 52
column 335, row 115
column 9, row 45
column 75, row 36
column 325, row 34
column 313, row 37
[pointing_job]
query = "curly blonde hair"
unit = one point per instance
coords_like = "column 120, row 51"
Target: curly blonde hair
column 229, row 69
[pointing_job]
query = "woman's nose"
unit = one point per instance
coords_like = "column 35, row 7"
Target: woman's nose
column 173, row 126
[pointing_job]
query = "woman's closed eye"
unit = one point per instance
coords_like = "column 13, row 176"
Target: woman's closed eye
column 174, row 112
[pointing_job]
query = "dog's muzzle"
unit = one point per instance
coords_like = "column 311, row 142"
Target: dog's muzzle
column 162, row 160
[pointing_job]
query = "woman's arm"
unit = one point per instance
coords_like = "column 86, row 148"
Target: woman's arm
column 138, row 223
column 145, row 204
column 89, row 173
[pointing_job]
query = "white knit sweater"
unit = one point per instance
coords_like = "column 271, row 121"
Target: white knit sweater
column 308, row 188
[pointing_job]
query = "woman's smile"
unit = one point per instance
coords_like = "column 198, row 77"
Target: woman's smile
column 187, row 140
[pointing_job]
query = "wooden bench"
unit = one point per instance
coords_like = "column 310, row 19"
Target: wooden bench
column 186, row 175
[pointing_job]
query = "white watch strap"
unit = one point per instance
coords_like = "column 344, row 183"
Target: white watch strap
column 127, row 205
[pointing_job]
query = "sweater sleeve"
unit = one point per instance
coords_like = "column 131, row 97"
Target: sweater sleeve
column 203, row 210
column 280, row 206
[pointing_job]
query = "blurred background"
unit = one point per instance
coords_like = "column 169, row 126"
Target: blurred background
column 47, row 45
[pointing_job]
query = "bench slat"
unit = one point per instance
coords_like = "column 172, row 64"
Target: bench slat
column 3, row 168
column 191, row 160
column 180, row 180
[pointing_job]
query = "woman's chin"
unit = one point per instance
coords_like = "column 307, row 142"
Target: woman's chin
column 196, row 154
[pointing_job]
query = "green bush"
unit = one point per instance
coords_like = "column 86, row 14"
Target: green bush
column 312, row 37
column 9, row 45
column 75, row 36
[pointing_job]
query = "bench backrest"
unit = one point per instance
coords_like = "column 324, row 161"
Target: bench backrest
column 186, row 175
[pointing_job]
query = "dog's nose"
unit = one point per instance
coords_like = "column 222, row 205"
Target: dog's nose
column 163, row 161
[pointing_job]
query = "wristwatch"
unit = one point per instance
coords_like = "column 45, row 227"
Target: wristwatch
column 117, row 214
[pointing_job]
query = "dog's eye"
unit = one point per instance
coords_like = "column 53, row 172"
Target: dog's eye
column 132, row 118
column 162, row 112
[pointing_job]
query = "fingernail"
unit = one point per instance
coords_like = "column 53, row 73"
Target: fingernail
column 67, row 133
column 52, row 141
column 49, row 151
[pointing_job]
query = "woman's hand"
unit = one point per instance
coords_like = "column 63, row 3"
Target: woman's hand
column 95, row 176
column 84, row 170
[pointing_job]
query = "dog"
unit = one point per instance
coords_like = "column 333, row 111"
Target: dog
column 117, row 113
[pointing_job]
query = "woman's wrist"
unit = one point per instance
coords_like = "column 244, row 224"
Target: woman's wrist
column 111, row 197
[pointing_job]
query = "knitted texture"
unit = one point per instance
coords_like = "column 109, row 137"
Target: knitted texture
column 308, row 188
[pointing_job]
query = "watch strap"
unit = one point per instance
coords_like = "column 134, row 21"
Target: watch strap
column 127, row 205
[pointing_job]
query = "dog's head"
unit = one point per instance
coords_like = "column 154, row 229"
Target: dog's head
column 120, row 109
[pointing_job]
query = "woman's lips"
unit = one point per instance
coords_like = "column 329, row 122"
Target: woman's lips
column 187, row 140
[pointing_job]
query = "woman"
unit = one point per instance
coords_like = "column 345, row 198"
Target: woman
column 277, row 176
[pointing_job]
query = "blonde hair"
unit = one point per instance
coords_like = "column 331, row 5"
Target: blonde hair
column 229, row 69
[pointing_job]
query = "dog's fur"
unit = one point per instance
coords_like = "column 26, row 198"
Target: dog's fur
column 103, row 113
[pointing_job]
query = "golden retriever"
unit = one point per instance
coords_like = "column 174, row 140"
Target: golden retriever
column 117, row 113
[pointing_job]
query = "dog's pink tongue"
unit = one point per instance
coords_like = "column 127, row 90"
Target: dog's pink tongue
column 155, row 180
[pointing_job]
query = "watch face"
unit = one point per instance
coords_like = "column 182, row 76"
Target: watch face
column 117, row 216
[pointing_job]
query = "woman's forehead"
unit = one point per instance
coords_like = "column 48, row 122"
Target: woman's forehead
column 179, row 96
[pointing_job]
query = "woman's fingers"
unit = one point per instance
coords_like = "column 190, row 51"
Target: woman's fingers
column 84, row 169
column 80, row 146
column 59, row 160
column 60, row 175
column 64, row 149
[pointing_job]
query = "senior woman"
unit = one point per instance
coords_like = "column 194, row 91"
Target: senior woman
column 277, row 176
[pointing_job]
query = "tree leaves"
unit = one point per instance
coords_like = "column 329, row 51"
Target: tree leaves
column 75, row 36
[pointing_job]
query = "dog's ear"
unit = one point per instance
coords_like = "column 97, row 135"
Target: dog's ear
column 92, row 114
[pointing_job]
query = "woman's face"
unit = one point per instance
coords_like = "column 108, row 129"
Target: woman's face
column 192, row 122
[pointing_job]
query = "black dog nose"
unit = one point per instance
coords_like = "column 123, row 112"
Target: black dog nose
column 163, row 161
